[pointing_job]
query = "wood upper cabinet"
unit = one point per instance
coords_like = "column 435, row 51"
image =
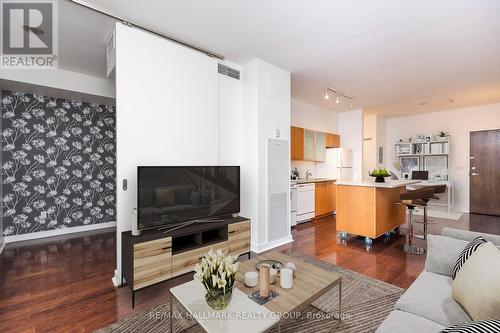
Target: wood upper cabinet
column 324, row 198
column 332, row 140
column 320, row 147
column 309, row 152
column 297, row 143
column 309, row 145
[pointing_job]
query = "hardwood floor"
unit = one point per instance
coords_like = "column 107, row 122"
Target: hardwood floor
column 63, row 284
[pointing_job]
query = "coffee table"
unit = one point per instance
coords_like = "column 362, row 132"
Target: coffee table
column 244, row 315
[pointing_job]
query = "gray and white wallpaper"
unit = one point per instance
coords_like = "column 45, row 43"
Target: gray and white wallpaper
column 58, row 166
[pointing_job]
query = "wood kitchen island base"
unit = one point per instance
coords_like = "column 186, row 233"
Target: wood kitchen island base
column 369, row 209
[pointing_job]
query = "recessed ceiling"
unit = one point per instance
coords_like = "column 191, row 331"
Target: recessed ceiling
column 391, row 55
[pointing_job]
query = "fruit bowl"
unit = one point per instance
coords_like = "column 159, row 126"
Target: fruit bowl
column 379, row 175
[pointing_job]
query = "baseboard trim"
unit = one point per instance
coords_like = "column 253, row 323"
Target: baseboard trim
column 259, row 248
column 57, row 232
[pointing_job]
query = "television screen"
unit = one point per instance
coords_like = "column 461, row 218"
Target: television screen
column 168, row 195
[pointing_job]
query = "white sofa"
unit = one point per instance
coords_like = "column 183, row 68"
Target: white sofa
column 427, row 305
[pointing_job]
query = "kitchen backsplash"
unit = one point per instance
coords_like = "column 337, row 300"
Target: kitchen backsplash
column 303, row 166
column 325, row 169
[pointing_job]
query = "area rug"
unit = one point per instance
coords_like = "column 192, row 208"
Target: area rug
column 366, row 302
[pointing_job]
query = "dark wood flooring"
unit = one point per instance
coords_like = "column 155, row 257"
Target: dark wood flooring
column 63, row 284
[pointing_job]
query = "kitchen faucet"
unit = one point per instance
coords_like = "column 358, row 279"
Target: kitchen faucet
column 308, row 173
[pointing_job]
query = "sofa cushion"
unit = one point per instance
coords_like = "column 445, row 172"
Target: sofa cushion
column 466, row 253
column 477, row 285
column 430, row 297
column 470, row 235
column 483, row 326
column 401, row 321
column 442, row 253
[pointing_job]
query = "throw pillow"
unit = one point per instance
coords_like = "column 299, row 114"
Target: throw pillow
column 442, row 253
column 164, row 196
column 466, row 253
column 477, row 286
column 483, row 326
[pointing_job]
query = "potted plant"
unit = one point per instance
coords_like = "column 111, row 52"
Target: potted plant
column 217, row 272
column 379, row 175
column 442, row 135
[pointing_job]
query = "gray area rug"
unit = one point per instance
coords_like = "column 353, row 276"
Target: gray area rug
column 366, row 302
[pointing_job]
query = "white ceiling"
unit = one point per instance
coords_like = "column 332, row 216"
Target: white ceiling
column 392, row 55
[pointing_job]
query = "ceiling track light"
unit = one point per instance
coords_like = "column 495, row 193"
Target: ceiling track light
column 338, row 94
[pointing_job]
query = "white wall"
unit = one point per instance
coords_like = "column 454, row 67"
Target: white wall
column 351, row 137
column 266, row 108
column 458, row 123
column 313, row 117
column 166, row 101
column 59, row 79
column 369, row 144
column 229, row 134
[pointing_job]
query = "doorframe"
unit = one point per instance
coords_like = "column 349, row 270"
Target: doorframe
column 468, row 155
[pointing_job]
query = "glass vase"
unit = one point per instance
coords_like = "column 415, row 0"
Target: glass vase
column 219, row 299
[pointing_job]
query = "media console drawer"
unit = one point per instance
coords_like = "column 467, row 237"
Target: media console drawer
column 239, row 238
column 152, row 262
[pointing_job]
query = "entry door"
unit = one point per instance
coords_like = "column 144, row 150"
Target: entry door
column 484, row 175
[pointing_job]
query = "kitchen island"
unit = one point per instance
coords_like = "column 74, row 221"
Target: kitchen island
column 369, row 209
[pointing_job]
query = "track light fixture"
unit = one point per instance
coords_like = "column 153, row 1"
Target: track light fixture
column 338, row 94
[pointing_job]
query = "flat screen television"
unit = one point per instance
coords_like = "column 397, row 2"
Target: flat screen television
column 172, row 194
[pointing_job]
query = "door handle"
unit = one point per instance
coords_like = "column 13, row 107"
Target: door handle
column 474, row 174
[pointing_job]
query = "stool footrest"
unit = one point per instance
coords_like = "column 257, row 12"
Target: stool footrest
column 423, row 222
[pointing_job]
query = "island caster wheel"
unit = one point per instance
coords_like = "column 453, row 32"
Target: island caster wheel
column 368, row 241
column 343, row 235
column 388, row 234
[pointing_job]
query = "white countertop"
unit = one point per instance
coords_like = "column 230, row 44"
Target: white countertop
column 311, row 180
column 387, row 184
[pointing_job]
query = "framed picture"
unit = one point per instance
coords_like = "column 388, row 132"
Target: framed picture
column 437, row 166
column 409, row 164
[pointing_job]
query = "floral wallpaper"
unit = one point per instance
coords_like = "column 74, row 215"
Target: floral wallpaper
column 58, row 167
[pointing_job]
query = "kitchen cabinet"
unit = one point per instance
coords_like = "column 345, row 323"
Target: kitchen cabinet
column 297, row 143
column 332, row 140
column 309, row 150
column 320, row 146
column 324, row 198
column 310, row 145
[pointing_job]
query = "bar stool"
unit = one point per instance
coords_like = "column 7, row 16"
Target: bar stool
column 425, row 222
column 411, row 199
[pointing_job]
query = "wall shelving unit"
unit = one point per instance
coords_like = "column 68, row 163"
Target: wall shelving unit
column 432, row 156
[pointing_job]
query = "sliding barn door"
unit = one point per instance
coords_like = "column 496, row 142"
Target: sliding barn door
column 485, row 172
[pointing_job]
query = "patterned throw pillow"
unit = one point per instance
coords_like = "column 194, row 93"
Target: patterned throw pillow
column 466, row 253
column 482, row 326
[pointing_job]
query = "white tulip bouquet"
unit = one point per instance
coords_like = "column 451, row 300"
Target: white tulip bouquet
column 217, row 271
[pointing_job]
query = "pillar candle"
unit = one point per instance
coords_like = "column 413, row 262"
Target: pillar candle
column 264, row 281
column 286, row 278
